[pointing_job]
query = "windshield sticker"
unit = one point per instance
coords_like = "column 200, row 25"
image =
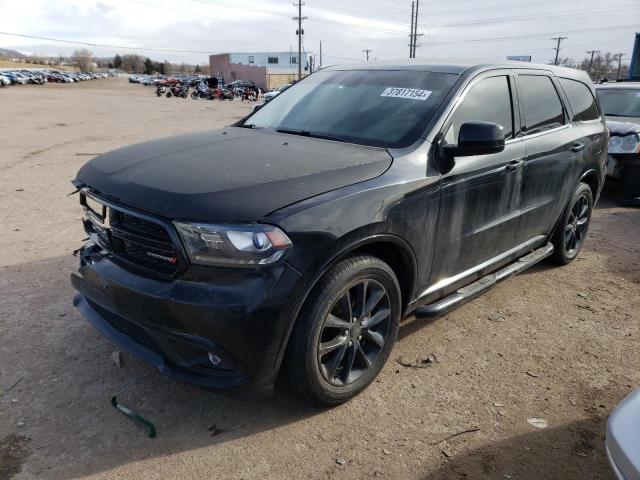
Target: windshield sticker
column 410, row 93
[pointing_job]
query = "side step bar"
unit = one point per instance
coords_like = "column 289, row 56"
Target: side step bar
column 474, row 289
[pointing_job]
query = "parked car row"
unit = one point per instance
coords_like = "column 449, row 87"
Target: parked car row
column 40, row 77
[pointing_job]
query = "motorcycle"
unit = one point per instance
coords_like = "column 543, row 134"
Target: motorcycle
column 160, row 89
column 202, row 91
column 223, row 94
column 178, row 91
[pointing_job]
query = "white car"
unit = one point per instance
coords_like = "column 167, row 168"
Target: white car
column 4, row 81
column 623, row 438
column 273, row 93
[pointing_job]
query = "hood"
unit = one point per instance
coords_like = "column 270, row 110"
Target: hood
column 229, row 175
column 623, row 125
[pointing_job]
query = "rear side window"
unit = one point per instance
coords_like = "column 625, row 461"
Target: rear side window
column 581, row 100
column 542, row 106
column 489, row 100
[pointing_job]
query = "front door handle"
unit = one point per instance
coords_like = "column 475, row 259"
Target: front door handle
column 577, row 147
column 515, row 164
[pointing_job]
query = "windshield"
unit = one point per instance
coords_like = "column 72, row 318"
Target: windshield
column 370, row 107
column 620, row 102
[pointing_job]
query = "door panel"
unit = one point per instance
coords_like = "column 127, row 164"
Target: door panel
column 479, row 206
column 481, row 196
column 554, row 151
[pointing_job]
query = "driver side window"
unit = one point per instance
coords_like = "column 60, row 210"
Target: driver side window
column 489, row 100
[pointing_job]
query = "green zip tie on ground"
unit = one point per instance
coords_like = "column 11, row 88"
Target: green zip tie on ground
column 137, row 417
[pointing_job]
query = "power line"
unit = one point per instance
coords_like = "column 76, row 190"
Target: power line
column 105, row 45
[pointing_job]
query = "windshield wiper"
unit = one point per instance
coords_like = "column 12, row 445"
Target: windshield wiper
column 248, row 125
column 305, row 133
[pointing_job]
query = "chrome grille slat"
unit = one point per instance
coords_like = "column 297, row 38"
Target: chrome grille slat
column 137, row 240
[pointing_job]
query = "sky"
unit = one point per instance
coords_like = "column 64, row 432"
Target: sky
column 188, row 30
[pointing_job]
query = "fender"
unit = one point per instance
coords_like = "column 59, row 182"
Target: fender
column 343, row 247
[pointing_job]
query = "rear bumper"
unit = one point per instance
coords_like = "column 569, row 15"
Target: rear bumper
column 225, row 332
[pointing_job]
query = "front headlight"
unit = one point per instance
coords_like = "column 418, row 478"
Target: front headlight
column 233, row 245
column 624, row 144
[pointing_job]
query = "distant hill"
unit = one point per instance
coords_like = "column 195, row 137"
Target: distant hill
column 6, row 53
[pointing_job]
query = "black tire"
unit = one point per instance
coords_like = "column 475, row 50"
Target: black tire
column 330, row 360
column 194, row 95
column 168, row 94
column 630, row 194
column 573, row 226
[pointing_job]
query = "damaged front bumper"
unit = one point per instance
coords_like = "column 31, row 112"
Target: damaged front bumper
column 223, row 331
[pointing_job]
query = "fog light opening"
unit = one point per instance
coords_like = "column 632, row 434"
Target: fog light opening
column 214, row 359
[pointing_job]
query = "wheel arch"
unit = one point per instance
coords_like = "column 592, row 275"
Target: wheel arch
column 390, row 248
column 591, row 178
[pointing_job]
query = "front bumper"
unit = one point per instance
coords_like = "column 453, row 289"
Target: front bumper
column 220, row 329
column 616, row 163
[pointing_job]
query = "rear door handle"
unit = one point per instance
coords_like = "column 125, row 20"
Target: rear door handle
column 577, row 147
column 515, row 164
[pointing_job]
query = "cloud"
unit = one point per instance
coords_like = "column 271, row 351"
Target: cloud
column 449, row 28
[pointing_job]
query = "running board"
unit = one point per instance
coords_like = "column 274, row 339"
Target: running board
column 474, row 289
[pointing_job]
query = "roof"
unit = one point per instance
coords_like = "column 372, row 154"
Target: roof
column 455, row 66
column 617, row 85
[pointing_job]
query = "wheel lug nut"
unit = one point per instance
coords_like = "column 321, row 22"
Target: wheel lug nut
column 346, row 332
column 350, row 343
column 359, row 337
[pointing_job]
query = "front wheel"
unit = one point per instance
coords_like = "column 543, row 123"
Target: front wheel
column 345, row 331
column 194, row 95
column 168, row 94
column 572, row 228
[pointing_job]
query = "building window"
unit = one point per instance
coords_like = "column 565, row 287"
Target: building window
column 250, row 58
column 272, row 59
column 294, row 60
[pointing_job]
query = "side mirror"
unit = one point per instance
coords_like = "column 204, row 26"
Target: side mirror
column 476, row 138
column 256, row 108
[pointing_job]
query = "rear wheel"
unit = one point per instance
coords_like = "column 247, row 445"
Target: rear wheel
column 168, row 94
column 573, row 226
column 345, row 331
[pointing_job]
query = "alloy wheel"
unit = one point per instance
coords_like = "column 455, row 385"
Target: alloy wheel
column 354, row 332
column 575, row 230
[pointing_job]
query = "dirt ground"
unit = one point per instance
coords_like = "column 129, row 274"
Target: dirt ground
column 561, row 344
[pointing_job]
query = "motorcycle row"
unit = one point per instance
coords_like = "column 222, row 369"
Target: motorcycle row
column 202, row 90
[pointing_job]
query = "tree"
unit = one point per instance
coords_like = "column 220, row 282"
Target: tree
column 197, row 69
column 148, row 66
column 117, row 61
column 133, row 63
column 83, row 59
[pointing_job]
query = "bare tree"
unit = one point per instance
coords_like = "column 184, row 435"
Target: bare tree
column 133, row 63
column 83, row 59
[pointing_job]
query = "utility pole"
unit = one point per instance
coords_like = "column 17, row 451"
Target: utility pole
column 320, row 54
column 411, row 31
column 619, row 55
column 367, row 51
column 559, row 39
column 299, row 32
column 592, row 52
column 415, row 29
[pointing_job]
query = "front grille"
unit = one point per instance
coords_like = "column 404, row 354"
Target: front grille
column 124, row 326
column 133, row 238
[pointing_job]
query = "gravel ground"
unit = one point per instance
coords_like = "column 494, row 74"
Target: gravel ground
column 560, row 344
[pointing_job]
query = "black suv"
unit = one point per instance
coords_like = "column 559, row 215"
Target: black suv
column 301, row 236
